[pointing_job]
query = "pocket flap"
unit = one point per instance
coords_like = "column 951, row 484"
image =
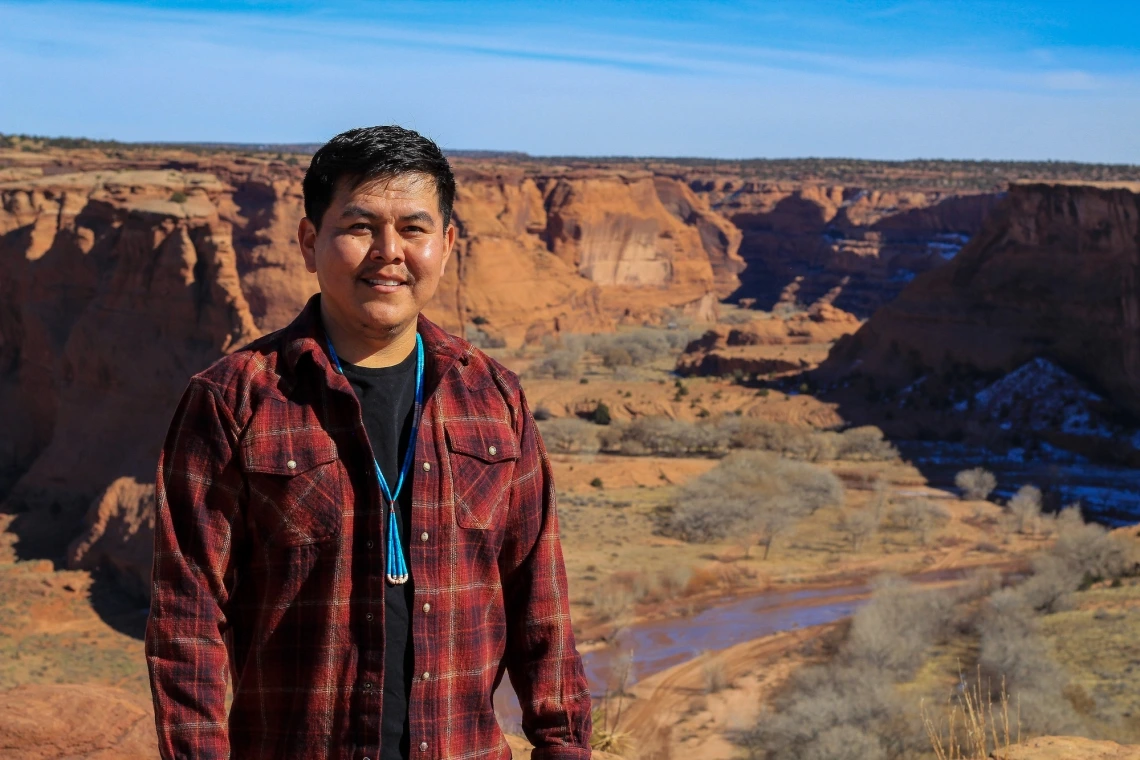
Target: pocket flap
column 490, row 441
column 287, row 453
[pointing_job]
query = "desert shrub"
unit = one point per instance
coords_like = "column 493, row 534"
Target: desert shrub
column 1014, row 653
column 569, row 435
column 1025, row 506
column 541, row 414
column 830, row 712
column 616, row 356
column 178, row 196
column 976, row 484
column 636, row 347
column 755, row 492
column 673, row 580
column 919, row 516
column 613, row 602
column 601, row 415
column 864, row 444
column 597, row 483
column 892, row 632
column 559, row 364
column 480, row 338
column 713, row 673
column 661, row 436
column 858, row 526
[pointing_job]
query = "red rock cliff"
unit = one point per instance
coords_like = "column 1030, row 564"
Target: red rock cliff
column 1055, row 273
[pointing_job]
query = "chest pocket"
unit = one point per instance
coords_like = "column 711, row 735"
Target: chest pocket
column 482, row 455
column 294, row 484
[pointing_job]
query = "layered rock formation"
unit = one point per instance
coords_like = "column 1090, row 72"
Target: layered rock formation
column 1054, row 275
column 863, row 243
column 121, row 277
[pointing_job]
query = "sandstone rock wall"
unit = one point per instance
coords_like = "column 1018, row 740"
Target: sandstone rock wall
column 121, row 278
column 866, row 244
column 1055, row 273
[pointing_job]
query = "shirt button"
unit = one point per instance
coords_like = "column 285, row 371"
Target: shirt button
column 427, row 606
column 368, row 544
column 427, row 466
column 368, row 617
column 423, row 746
column 426, row 676
column 291, row 464
column 367, row 685
column 424, row 536
column 492, row 450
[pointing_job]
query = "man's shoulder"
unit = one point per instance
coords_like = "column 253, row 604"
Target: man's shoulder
column 246, row 371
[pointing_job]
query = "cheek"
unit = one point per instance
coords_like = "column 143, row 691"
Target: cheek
column 427, row 262
column 341, row 255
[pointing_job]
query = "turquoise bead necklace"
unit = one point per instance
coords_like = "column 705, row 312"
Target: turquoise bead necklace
column 397, row 569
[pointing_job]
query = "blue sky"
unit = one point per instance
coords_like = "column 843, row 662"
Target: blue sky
column 936, row 79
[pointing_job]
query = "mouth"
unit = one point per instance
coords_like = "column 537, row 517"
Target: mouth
column 385, row 285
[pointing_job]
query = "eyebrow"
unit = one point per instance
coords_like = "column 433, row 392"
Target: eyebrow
column 418, row 216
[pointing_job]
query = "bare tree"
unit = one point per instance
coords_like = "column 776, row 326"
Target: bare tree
column 1025, row 506
column 976, row 484
column 858, row 526
column 919, row 516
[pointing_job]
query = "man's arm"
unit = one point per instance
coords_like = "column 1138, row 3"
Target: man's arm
column 197, row 520
column 542, row 661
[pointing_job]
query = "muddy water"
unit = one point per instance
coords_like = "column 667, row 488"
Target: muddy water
column 660, row 644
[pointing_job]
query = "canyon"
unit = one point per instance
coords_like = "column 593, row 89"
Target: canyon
column 808, row 295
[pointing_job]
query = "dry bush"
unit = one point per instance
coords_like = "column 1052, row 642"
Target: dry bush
column 1025, row 506
column 662, row 436
column 637, row 347
column 613, row 603
column 919, row 516
column 713, row 673
column 1013, row 652
column 569, row 435
column 858, row 525
column 972, row 727
column 863, row 444
column 831, row 712
column 750, row 491
column 559, row 364
column 976, row 484
column 673, row 580
column 893, row 631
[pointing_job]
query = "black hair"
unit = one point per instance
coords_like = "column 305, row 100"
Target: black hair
column 368, row 153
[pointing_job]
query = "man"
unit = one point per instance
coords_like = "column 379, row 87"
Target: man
column 355, row 514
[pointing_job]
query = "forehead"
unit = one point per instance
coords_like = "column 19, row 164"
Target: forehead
column 404, row 190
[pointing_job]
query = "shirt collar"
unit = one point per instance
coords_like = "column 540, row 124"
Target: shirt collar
column 305, row 335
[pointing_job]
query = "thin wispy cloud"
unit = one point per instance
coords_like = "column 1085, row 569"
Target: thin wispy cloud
column 873, row 79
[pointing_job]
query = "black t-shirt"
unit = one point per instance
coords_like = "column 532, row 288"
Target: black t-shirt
column 387, row 399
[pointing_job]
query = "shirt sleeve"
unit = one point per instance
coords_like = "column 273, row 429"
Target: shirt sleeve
column 542, row 661
column 197, row 524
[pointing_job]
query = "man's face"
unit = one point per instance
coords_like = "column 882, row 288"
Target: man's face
column 379, row 254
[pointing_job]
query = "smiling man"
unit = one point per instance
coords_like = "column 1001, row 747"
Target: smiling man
column 355, row 514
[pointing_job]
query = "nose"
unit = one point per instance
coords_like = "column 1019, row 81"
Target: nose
column 387, row 246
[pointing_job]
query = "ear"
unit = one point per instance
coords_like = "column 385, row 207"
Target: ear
column 449, row 244
column 307, row 239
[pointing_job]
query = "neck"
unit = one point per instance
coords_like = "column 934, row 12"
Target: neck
column 364, row 350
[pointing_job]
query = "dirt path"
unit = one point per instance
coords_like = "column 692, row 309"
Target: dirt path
column 673, row 713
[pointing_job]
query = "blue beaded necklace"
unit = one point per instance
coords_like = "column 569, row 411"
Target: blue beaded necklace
column 397, row 569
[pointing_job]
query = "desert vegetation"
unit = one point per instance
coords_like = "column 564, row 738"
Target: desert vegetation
column 663, row 436
column 758, row 494
column 980, row 642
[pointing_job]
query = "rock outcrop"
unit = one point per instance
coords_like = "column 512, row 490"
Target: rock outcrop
column 864, row 244
column 1047, row 296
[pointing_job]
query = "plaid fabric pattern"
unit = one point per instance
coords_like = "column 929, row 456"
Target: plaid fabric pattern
column 268, row 564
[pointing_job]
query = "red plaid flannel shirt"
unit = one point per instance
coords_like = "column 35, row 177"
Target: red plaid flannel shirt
column 268, row 564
